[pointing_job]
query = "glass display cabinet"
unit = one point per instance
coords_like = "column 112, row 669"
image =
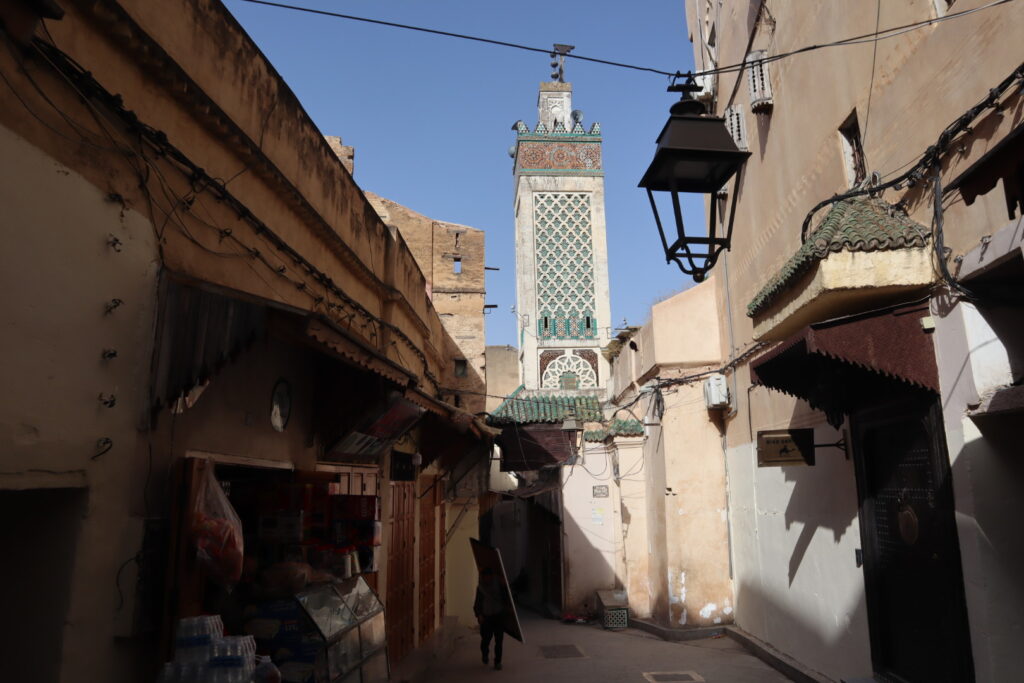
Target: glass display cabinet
column 349, row 620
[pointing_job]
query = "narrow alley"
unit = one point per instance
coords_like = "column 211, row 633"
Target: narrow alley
column 586, row 652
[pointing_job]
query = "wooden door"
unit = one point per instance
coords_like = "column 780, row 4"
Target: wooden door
column 401, row 576
column 427, row 558
column 442, row 542
column 917, row 613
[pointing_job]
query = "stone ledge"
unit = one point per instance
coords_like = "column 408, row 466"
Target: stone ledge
column 845, row 283
column 677, row 634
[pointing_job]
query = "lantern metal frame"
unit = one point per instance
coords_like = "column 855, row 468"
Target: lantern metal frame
column 696, row 154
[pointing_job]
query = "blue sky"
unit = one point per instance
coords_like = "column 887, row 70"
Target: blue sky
column 430, row 117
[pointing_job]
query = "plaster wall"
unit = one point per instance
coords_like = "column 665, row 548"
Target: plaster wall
column 697, row 537
column 987, row 477
column 685, row 329
column 794, row 535
column 636, row 546
column 460, row 567
column 592, row 531
column 451, row 257
column 502, row 371
column 194, row 75
column 794, row 530
column 58, row 283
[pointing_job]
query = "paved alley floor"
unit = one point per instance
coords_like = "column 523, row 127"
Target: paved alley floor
column 566, row 653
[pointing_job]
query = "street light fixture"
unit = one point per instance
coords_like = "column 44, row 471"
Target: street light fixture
column 573, row 431
column 695, row 154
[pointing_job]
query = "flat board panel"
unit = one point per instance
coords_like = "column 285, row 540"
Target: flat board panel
column 486, row 556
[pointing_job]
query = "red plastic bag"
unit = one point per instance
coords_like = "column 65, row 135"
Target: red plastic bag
column 217, row 531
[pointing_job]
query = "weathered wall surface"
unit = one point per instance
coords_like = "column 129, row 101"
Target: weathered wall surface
column 451, row 257
column 592, row 530
column 502, row 374
column 678, row 490
column 460, row 567
column 797, row 585
column 91, row 218
column 58, row 283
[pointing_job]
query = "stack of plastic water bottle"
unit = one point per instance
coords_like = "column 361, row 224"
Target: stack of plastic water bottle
column 203, row 654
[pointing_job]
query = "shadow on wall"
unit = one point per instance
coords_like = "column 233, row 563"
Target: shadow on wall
column 993, row 468
column 587, row 568
column 816, row 502
column 832, row 651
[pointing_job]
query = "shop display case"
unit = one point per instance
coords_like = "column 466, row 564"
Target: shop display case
column 349, row 621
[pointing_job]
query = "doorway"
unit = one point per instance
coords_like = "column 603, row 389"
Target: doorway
column 39, row 534
column 917, row 612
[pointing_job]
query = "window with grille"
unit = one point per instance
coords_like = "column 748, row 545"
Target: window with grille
column 758, row 82
column 564, row 248
column 737, row 125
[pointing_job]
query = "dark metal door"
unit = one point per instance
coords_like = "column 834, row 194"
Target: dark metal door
column 915, row 597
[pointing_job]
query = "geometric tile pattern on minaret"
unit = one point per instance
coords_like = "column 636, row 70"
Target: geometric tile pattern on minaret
column 565, row 266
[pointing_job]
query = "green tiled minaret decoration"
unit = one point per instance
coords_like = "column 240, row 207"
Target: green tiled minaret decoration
column 561, row 253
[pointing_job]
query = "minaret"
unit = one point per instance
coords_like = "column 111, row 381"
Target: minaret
column 562, row 297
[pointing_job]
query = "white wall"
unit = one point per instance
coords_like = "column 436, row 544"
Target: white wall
column 592, row 529
column 794, row 536
column 988, row 474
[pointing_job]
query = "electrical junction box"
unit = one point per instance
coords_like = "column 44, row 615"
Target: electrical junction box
column 716, row 392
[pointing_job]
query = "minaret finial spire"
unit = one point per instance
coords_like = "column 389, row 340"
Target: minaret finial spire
column 558, row 61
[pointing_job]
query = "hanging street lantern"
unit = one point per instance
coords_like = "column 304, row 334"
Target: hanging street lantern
column 573, row 431
column 695, row 154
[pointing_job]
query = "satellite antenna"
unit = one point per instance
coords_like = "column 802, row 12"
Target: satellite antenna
column 577, row 116
column 558, row 61
column 512, row 151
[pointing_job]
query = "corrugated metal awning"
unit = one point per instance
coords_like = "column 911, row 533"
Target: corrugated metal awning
column 839, row 364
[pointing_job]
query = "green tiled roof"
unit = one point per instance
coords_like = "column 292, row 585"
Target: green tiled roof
column 520, row 409
column 616, row 427
column 858, row 224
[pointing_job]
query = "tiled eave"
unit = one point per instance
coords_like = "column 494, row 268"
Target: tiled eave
column 864, row 252
column 844, row 283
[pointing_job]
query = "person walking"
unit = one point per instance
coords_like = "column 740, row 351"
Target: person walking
column 489, row 608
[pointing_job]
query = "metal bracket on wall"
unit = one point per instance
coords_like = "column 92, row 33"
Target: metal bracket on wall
column 841, row 444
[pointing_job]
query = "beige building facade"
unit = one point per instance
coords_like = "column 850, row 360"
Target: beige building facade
column 209, row 289
column 844, row 564
column 672, row 480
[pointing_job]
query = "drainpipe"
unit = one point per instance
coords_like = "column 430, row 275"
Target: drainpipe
column 735, row 404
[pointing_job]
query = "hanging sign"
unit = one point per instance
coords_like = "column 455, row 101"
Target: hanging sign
column 783, row 447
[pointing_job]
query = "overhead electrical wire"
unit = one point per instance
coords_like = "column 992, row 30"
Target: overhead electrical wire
column 853, row 40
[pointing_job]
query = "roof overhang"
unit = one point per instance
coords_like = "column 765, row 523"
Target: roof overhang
column 840, row 365
column 842, row 283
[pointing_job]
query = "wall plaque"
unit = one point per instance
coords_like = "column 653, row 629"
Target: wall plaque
column 601, row 491
column 783, row 447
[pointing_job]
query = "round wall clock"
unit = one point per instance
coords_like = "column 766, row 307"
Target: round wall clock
column 280, row 405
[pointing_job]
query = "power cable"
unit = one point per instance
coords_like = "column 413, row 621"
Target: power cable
column 853, row 40
column 871, row 84
column 450, row 34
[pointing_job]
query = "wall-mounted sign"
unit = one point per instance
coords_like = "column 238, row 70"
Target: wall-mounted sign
column 783, row 447
column 601, row 491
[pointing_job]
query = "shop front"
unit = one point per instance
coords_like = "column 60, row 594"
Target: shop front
column 284, row 482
